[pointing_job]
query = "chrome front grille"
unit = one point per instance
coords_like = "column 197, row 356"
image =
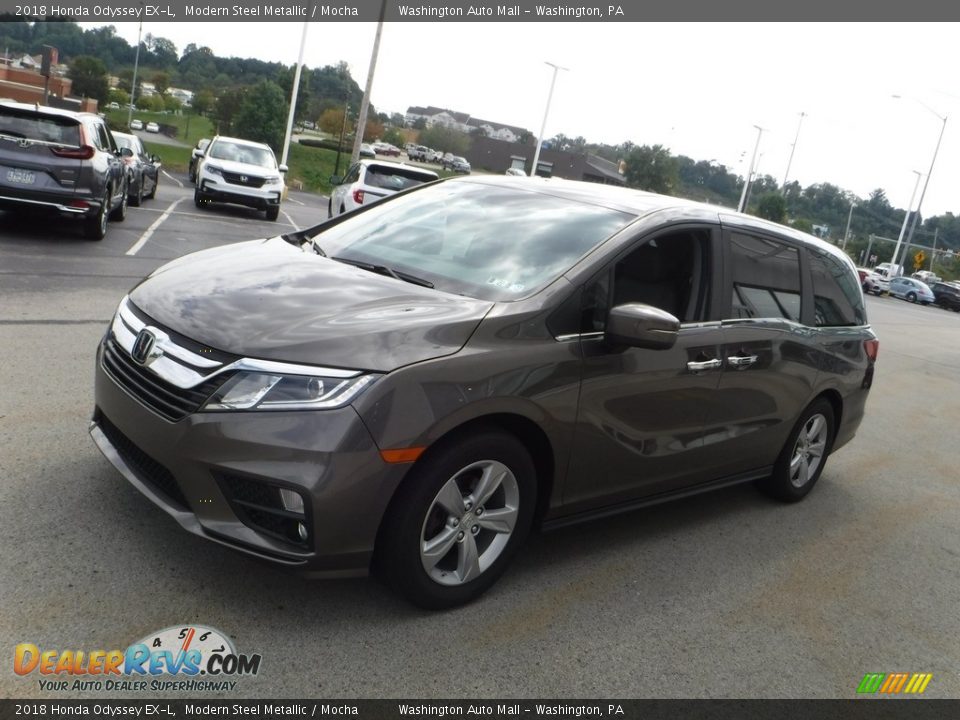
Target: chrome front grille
column 173, row 383
column 252, row 181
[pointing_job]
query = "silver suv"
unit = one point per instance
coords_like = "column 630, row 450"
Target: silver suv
column 242, row 172
column 61, row 162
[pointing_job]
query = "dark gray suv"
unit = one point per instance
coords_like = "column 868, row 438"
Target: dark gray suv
column 61, row 162
column 414, row 386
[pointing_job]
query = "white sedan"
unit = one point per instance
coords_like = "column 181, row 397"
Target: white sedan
column 153, row 127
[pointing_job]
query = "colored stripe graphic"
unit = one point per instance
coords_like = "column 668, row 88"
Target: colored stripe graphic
column 895, row 683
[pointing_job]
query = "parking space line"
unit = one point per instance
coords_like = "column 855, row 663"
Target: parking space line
column 290, row 199
column 290, row 220
column 179, row 184
column 150, row 230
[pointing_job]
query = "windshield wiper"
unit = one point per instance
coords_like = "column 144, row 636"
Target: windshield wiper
column 384, row 270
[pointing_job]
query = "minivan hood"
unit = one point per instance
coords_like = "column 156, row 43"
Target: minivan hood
column 270, row 300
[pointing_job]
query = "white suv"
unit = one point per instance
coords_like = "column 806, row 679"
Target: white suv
column 239, row 171
column 367, row 181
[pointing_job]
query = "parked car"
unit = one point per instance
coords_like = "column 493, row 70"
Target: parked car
column 946, row 295
column 195, row 156
column 460, row 165
column 927, row 277
column 515, row 172
column 367, row 181
column 136, row 124
column 367, row 151
column 152, row 127
column 113, row 106
column 875, row 283
column 242, row 172
column 420, row 153
column 912, row 290
column 143, row 170
column 888, row 270
column 412, row 387
column 382, row 148
column 63, row 163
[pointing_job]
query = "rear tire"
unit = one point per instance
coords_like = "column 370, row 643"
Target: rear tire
column 153, row 190
column 138, row 196
column 119, row 213
column 804, row 454
column 95, row 228
column 912, row 297
column 458, row 519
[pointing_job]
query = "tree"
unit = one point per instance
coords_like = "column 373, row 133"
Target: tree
column 203, row 102
column 445, row 139
column 373, row 130
column 772, row 206
column 89, row 77
column 262, row 116
column 331, row 121
column 161, row 81
column 652, row 168
column 228, row 104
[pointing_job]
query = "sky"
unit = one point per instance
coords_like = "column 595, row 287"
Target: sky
column 699, row 89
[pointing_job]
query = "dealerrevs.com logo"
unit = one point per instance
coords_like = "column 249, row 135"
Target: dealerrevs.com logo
column 183, row 657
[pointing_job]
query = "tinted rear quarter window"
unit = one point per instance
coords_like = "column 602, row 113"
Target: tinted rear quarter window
column 837, row 299
column 766, row 278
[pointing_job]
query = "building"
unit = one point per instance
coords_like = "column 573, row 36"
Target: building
column 25, row 84
column 462, row 122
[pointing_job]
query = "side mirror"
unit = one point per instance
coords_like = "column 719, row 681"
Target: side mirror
column 283, row 168
column 155, row 159
column 336, row 180
column 197, row 153
column 644, row 326
column 126, row 152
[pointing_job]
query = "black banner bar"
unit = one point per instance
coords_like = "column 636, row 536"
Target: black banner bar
column 113, row 11
column 859, row 709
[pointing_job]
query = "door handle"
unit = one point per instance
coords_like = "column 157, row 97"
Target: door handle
column 699, row 367
column 741, row 361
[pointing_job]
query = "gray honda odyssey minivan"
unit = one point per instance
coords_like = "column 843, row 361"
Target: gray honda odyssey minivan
column 410, row 388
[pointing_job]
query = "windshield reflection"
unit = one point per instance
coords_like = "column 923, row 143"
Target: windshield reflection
column 491, row 243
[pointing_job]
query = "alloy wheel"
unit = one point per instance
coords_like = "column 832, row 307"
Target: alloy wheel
column 808, row 452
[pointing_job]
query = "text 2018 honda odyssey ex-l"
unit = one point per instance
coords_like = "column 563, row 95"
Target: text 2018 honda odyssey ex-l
column 411, row 387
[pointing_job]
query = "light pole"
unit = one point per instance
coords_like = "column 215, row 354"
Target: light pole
column 543, row 126
column 913, row 225
column 792, row 150
column 293, row 97
column 906, row 221
column 133, row 84
column 365, row 102
column 746, row 182
column 846, row 235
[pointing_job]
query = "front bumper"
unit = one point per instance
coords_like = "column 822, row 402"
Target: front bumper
column 185, row 467
column 261, row 198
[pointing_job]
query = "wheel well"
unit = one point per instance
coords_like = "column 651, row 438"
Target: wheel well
column 836, row 402
column 528, row 433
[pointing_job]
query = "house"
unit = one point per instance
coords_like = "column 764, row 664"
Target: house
column 498, row 131
column 434, row 116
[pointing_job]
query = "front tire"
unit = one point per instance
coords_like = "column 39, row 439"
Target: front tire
column 458, row 519
column 804, row 454
column 119, row 213
column 199, row 200
column 273, row 213
column 137, row 199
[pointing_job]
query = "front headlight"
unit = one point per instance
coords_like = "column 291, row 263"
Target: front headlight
column 213, row 170
column 268, row 391
column 272, row 180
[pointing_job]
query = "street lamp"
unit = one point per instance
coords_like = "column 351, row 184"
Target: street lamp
column 746, row 182
column 133, row 84
column 543, row 127
column 792, row 149
column 294, row 92
column 913, row 226
column 906, row 220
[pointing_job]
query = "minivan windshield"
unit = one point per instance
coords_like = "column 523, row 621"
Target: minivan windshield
column 474, row 239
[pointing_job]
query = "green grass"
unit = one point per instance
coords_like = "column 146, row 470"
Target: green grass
column 173, row 157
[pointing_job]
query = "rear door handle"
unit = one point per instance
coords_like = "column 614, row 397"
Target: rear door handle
column 699, row 367
column 741, row 361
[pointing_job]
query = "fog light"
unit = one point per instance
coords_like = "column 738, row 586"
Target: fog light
column 302, row 531
column 292, row 502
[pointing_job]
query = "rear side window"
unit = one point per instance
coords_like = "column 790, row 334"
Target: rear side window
column 45, row 128
column 766, row 278
column 837, row 299
column 394, row 178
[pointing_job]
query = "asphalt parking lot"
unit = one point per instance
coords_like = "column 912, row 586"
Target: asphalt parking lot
column 723, row 595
